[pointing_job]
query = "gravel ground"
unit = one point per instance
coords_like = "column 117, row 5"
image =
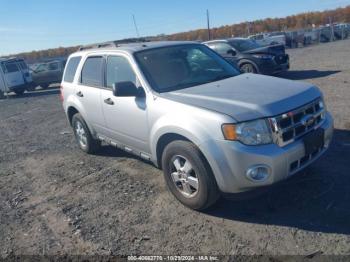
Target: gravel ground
column 54, row 199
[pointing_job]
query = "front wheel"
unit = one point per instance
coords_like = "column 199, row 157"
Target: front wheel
column 83, row 135
column 189, row 176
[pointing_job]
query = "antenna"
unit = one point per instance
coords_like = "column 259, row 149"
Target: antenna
column 136, row 29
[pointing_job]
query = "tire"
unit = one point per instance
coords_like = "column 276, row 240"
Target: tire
column 85, row 140
column 248, row 68
column 2, row 95
column 195, row 187
column 19, row 92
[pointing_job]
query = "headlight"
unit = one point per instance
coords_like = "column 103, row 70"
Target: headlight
column 250, row 133
column 264, row 56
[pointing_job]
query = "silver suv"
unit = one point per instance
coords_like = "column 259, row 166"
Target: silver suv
column 186, row 109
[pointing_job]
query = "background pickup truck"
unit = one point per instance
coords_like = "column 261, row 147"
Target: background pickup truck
column 266, row 39
column 45, row 74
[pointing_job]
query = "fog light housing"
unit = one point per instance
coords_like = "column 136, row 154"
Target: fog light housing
column 258, row 173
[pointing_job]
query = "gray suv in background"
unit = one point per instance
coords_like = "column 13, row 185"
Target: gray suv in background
column 186, row 109
column 250, row 57
column 45, row 74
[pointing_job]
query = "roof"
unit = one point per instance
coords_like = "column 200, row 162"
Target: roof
column 3, row 59
column 131, row 47
column 225, row 40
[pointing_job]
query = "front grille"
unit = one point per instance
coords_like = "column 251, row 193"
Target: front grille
column 281, row 59
column 292, row 125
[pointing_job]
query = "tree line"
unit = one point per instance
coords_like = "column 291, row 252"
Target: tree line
column 299, row 21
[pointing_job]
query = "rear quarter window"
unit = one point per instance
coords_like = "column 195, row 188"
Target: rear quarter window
column 71, row 69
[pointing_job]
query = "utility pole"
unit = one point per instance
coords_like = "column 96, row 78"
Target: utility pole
column 208, row 22
column 136, row 29
column 332, row 29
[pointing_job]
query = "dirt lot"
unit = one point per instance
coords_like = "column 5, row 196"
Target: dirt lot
column 54, row 199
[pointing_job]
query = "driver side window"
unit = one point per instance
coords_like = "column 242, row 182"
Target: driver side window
column 119, row 70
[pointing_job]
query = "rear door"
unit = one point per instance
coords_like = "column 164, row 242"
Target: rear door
column 12, row 74
column 88, row 91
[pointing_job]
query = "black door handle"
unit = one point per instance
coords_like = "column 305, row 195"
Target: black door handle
column 80, row 94
column 109, row 101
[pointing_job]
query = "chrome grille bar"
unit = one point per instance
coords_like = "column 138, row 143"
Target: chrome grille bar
column 288, row 127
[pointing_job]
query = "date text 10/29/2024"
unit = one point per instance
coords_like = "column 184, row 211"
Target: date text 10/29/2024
column 173, row 258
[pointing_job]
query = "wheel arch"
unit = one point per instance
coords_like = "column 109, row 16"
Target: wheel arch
column 71, row 111
column 165, row 140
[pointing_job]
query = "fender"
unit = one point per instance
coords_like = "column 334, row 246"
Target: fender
column 181, row 125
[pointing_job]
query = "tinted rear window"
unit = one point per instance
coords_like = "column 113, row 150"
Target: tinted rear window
column 71, row 69
column 91, row 75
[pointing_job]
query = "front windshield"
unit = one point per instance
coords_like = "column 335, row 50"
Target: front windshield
column 244, row 44
column 182, row 66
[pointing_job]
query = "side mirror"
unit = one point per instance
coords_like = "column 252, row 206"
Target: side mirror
column 127, row 89
column 232, row 52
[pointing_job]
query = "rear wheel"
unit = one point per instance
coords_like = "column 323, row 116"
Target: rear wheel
column 189, row 176
column 248, row 68
column 83, row 135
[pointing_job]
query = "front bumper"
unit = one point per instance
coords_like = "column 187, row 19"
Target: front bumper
column 269, row 67
column 231, row 160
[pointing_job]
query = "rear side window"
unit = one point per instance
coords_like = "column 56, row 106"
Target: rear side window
column 71, row 69
column 119, row 70
column 91, row 75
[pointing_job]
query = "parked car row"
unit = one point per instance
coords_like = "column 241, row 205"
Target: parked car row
column 303, row 37
column 16, row 76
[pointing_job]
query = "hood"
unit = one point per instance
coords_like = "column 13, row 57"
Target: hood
column 247, row 96
column 272, row 49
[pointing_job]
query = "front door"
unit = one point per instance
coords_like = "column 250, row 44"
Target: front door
column 126, row 117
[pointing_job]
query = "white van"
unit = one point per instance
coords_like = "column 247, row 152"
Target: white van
column 14, row 76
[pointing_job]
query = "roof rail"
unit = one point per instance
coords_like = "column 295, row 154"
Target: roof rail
column 116, row 43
